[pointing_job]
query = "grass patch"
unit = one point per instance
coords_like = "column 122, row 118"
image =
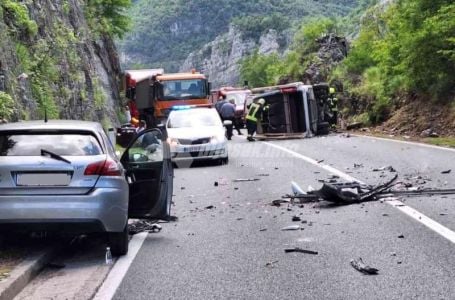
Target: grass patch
column 441, row 141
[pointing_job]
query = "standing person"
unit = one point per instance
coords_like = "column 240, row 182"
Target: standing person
column 220, row 103
column 254, row 115
column 227, row 113
column 333, row 106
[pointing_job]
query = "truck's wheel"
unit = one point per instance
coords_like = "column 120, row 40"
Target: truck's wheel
column 118, row 241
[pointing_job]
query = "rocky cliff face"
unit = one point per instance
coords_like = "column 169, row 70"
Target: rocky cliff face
column 51, row 61
column 220, row 59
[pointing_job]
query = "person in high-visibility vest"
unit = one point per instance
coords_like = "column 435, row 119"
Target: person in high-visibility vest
column 333, row 106
column 255, row 111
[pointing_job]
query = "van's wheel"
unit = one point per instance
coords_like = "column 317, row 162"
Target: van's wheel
column 323, row 128
column 224, row 161
column 118, row 241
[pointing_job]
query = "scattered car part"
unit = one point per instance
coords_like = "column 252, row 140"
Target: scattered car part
column 360, row 266
column 300, row 250
column 246, row 179
column 446, row 171
column 291, row 227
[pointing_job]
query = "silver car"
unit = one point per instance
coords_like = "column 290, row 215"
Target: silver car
column 65, row 176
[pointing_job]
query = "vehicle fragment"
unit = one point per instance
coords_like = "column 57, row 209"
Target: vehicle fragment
column 210, row 207
column 401, row 236
column 296, row 219
column 216, row 183
column 446, row 171
column 143, row 226
column 360, row 266
column 278, row 202
column 245, row 179
column 300, row 250
column 271, row 264
column 341, row 193
column 291, row 227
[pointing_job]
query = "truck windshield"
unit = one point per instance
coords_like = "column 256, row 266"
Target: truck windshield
column 184, row 89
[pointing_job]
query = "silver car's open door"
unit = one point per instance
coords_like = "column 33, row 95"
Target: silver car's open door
column 149, row 173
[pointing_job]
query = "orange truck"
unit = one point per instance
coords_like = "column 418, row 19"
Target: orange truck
column 152, row 93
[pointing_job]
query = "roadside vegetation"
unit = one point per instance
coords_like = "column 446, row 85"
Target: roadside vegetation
column 403, row 51
column 50, row 59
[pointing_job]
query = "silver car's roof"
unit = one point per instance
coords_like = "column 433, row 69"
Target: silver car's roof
column 53, row 125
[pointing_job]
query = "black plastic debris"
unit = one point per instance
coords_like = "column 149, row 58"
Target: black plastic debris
column 278, row 202
column 360, row 266
column 296, row 219
column 143, row 226
column 446, row 171
column 401, row 236
column 216, row 183
column 210, row 207
column 300, row 250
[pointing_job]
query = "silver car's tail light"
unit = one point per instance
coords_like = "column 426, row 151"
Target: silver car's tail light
column 106, row 167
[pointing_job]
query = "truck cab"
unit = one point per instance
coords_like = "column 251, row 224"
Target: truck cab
column 152, row 93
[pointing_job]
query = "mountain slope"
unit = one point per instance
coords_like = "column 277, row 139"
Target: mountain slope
column 164, row 33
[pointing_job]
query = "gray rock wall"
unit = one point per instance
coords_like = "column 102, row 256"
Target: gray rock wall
column 220, row 59
column 63, row 66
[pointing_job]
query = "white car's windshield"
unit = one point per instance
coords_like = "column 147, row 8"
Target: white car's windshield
column 193, row 118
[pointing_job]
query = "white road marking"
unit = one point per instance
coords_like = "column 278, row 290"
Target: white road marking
column 430, row 223
column 406, row 142
column 419, row 217
column 118, row 272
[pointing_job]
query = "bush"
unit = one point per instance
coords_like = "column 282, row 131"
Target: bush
column 6, row 106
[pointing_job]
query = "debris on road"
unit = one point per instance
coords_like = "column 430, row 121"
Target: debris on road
column 143, row 226
column 210, row 207
column 296, row 219
column 401, row 236
column 263, row 175
column 245, row 179
column 386, row 168
column 291, row 227
column 320, row 161
column 278, row 202
column 271, row 264
column 446, row 171
column 300, row 250
column 360, row 266
column 216, row 183
column 341, row 193
column 263, row 229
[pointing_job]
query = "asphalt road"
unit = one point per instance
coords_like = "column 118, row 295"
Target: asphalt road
column 235, row 250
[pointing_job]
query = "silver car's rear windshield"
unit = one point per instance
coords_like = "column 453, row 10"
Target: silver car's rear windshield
column 31, row 144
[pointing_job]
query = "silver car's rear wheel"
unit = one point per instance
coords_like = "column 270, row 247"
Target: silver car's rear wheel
column 118, row 241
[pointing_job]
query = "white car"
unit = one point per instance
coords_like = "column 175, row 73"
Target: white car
column 196, row 134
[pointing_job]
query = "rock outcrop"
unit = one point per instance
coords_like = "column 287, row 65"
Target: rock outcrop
column 220, row 59
column 332, row 50
column 52, row 61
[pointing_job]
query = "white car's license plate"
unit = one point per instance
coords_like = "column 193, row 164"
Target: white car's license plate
column 192, row 149
column 43, row 179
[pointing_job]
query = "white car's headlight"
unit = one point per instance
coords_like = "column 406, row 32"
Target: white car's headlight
column 216, row 139
column 173, row 141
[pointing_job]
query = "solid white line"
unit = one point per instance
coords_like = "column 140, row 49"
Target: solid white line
column 430, row 223
column 118, row 272
column 419, row 217
column 406, row 142
column 314, row 162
